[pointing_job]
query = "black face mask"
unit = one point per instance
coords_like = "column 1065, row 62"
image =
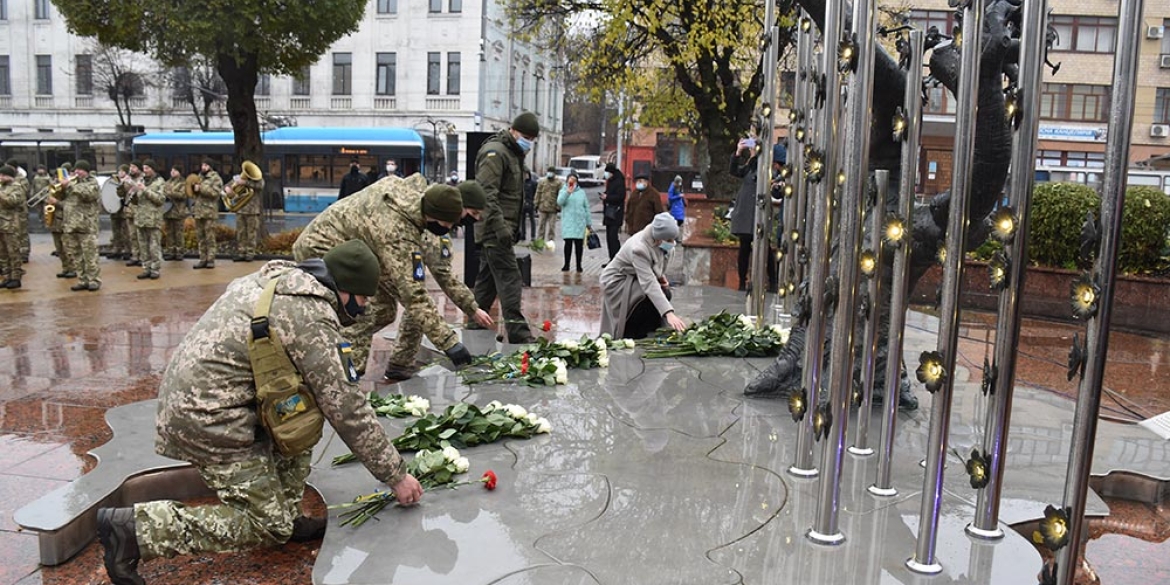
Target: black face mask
column 436, row 228
column 353, row 308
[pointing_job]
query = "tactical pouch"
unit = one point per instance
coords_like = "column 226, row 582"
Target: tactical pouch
column 286, row 407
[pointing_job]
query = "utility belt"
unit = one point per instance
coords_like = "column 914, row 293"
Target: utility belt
column 286, row 407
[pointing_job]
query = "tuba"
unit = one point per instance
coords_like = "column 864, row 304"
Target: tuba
column 237, row 194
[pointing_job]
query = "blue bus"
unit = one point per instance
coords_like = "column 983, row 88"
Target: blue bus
column 302, row 167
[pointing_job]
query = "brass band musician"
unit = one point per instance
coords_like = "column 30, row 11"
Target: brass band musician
column 247, row 188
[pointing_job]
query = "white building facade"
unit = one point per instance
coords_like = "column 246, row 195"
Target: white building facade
column 449, row 69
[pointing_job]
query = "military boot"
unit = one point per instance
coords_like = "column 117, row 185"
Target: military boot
column 307, row 528
column 79, row 286
column 145, row 274
column 67, row 274
column 12, row 283
column 200, row 265
column 116, row 532
column 396, row 373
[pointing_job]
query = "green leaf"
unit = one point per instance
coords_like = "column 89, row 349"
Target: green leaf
column 447, row 433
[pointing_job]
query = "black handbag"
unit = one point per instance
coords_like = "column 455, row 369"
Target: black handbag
column 591, row 239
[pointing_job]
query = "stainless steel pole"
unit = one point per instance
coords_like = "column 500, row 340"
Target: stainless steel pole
column 818, row 237
column 763, row 220
column 853, row 196
column 1007, row 331
column 869, row 342
column 1076, row 485
column 793, row 232
column 900, row 289
column 924, row 560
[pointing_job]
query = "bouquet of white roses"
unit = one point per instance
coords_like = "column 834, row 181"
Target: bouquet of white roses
column 724, row 334
column 398, row 405
column 519, row 367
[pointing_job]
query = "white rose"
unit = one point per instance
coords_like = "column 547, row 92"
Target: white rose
column 746, row 321
column 414, row 410
column 532, row 418
column 516, row 411
column 551, row 246
column 542, row 426
column 462, row 465
column 600, row 341
column 570, row 344
column 603, row 362
column 493, row 405
column 629, row 343
column 562, row 376
column 450, row 453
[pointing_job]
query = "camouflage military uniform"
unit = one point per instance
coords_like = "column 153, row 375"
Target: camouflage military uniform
column 499, row 168
column 120, row 228
column 129, row 208
column 207, row 416
column 12, row 204
column 22, row 219
column 248, row 222
column 148, row 219
column 206, row 214
column 64, row 253
column 175, row 191
column 436, row 253
column 546, row 203
column 388, row 217
column 80, row 200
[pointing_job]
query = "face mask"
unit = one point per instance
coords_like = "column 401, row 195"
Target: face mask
column 640, row 186
column 524, row 144
column 606, row 174
column 551, row 175
column 391, row 168
column 436, row 228
column 353, row 309
column 666, row 246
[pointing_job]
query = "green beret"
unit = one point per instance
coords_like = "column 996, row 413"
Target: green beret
column 354, row 268
column 474, row 197
column 125, row 168
column 527, row 124
column 443, row 202
column 552, row 169
column 8, row 170
column 81, row 165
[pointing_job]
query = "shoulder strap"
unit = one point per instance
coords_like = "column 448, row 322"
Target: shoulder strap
column 269, row 360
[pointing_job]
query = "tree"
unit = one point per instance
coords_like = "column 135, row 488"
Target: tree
column 697, row 65
column 241, row 38
column 120, row 75
column 198, row 84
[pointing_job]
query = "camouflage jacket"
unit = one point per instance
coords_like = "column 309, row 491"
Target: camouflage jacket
column 207, row 196
column 254, row 205
column 129, row 199
column 40, row 183
column 175, row 190
column 388, row 217
column 546, row 195
column 499, row 168
column 12, row 204
column 437, row 253
column 80, row 202
column 150, row 204
column 207, row 398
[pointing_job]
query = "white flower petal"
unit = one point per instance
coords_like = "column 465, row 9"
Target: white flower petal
column 542, row 426
column 451, row 453
column 462, row 464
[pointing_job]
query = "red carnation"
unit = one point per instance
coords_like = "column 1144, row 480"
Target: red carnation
column 489, row 480
column 547, row 325
column 524, row 363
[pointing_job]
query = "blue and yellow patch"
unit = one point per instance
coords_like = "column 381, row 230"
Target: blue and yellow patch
column 417, row 259
column 345, row 352
column 444, row 247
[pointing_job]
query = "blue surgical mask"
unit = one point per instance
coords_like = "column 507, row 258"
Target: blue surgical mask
column 666, row 246
column 606, row 174
column 640, row 186
column 524, row 143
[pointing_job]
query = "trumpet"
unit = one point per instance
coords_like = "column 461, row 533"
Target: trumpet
column 40, row 196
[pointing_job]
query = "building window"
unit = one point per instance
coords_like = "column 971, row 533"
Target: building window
column 1093, row 160
column 302, row 82
column 44, row 75
column 434, row 72
column 83, row 73
column 3, row 9
column 436, row 6
column 342, row 73
column 1084, row 34
column 453, row 73
column 943, row 20
column 264, row 84
column 387, row 6
column 1161, row 105
column 455, row 6
column 387, row 74
column 41, row 9
column 1074, row 101
column 5, row 81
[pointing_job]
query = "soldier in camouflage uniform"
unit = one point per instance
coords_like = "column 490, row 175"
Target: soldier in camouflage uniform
column 390, row 216
column 148, row 220
column 22, row 219
column 130, row 192
column 206, row 213
column 499, row 168
column 68, row 262
column 546, row 203
column 436, row 255
column 12, row 203
column 175, row 191
column 119, row 225
column 207, row 416
column 81, row 195
column 248, row 220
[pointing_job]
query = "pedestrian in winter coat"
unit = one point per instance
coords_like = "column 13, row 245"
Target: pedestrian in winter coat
column 614, row 208
column 743, row 217
column 645, row 202
column 635, row 292
column 547, row 190
column 675, row 200
column 575, row 219
column 352, row 182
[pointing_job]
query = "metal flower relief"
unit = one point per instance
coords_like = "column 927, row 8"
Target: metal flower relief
column 895, row 231
column 941, row 255
column 1003, row 223
column 1053, row 532
column 900, row 124
column 1076, row 357
column 798, row 405
column 822, row 421
column 814, row 165
column 1085, row 294
column 997, row 271
column 847, row 55
column 868, row 263
column 930, row 370
column 990, row 374
column 977, row 469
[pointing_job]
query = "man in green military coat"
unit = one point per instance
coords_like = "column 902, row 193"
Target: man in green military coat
column 148, row 220
column 80, row 197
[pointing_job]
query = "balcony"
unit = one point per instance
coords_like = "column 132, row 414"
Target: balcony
column 298, row 103
column 263, row 102
column 43, row 101
column 5, row 101
column 83, row 101
column 386, row 103
column 138, row 103
column 341, row 103
column 179, row 103
column 445, row 103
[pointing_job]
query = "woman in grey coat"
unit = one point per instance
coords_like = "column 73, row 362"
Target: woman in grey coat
column 635, row 292
column 744, row 164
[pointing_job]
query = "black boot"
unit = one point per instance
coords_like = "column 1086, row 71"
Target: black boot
column 116, row 532
column 13, row 283
column 307, row 528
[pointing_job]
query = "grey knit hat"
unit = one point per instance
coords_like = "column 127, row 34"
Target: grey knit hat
column 664, row 227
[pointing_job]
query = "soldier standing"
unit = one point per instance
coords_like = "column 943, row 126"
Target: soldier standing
column 175, row 191
column 283, row 321
column 546, row 203
column 57, row 228
column 129, row 206
column 119, row 224
column 80, row 195
column 248, row 216
column 390, row 217
column 13, row 203
column 22, row 219
column 207, row 213
column 148, row 220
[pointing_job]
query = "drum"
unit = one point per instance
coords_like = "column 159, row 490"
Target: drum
column 168, row 205
column 111, row 202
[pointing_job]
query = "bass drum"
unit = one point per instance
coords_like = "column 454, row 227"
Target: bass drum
column 111, row 202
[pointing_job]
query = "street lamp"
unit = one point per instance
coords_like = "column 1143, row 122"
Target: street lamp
column 448, row 128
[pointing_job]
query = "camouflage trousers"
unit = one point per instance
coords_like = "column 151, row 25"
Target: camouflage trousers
column 174, row 231
column 120, row 227
column 380, row 312
column 67, row 262
column 205, row 235
column 410, row 334
column 548, row 227
column 22, row 222
column 150, row 248
column 11, row 262
column 260, row 497
column 247, row 234
column 82, row 248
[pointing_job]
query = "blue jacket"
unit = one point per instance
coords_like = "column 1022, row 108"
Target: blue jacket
column 674, row 198
column 574, row 212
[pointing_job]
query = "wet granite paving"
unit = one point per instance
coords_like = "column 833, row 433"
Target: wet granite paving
column 656, row 471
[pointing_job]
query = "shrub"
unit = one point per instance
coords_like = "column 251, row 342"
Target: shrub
column 1058, row 212
column 280, row 243
column 1144, row 223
